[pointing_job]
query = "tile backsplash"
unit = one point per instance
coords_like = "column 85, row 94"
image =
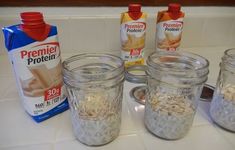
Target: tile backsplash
column 100, row 33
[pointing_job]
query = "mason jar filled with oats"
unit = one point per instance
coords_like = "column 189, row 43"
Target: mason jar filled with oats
column 94, row 83
column 175, row 81
column 222, row 108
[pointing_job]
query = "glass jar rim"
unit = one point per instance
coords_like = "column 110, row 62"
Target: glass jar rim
column 227, row 53
column 228, row 60
column 203, row 65
column 75, row 75
column 139, row 77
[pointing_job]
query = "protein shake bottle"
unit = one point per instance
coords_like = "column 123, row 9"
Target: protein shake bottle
column 169, row 28
column 132, row 31
column 34, row 51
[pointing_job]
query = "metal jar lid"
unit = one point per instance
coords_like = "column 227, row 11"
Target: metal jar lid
column 139, row 94
column 207, row 93
column 136, row 74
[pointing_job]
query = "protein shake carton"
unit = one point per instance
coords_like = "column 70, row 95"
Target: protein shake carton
column 34, row 51
column 169, row 28
column 132, row 31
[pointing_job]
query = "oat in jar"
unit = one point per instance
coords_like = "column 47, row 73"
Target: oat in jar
column 222, row 108
column 94, row 83
column 174, row 84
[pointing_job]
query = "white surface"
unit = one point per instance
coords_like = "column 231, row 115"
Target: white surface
column 19, row 132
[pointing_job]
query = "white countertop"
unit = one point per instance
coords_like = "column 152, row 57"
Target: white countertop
column 19, row 131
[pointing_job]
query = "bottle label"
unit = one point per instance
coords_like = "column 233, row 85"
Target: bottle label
column 168, row 35
column 133, row 39
column 38, row 73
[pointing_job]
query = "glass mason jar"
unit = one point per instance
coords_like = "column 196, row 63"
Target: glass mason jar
column 175, row 81
column 94, row 84
column 222, row 108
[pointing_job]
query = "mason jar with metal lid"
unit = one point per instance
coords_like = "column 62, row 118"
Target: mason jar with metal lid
column 136, row 75
column 94, row 83
column 222, row 108
column 175, row 81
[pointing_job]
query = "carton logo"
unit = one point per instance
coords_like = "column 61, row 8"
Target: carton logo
column 41, row 53
column 173, row 26
column 135, row 27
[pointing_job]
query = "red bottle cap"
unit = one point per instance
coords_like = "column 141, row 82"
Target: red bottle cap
column 34, row 26
column 134, row 8
column 174, row 7
column 134, row 11
column 32, row 18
